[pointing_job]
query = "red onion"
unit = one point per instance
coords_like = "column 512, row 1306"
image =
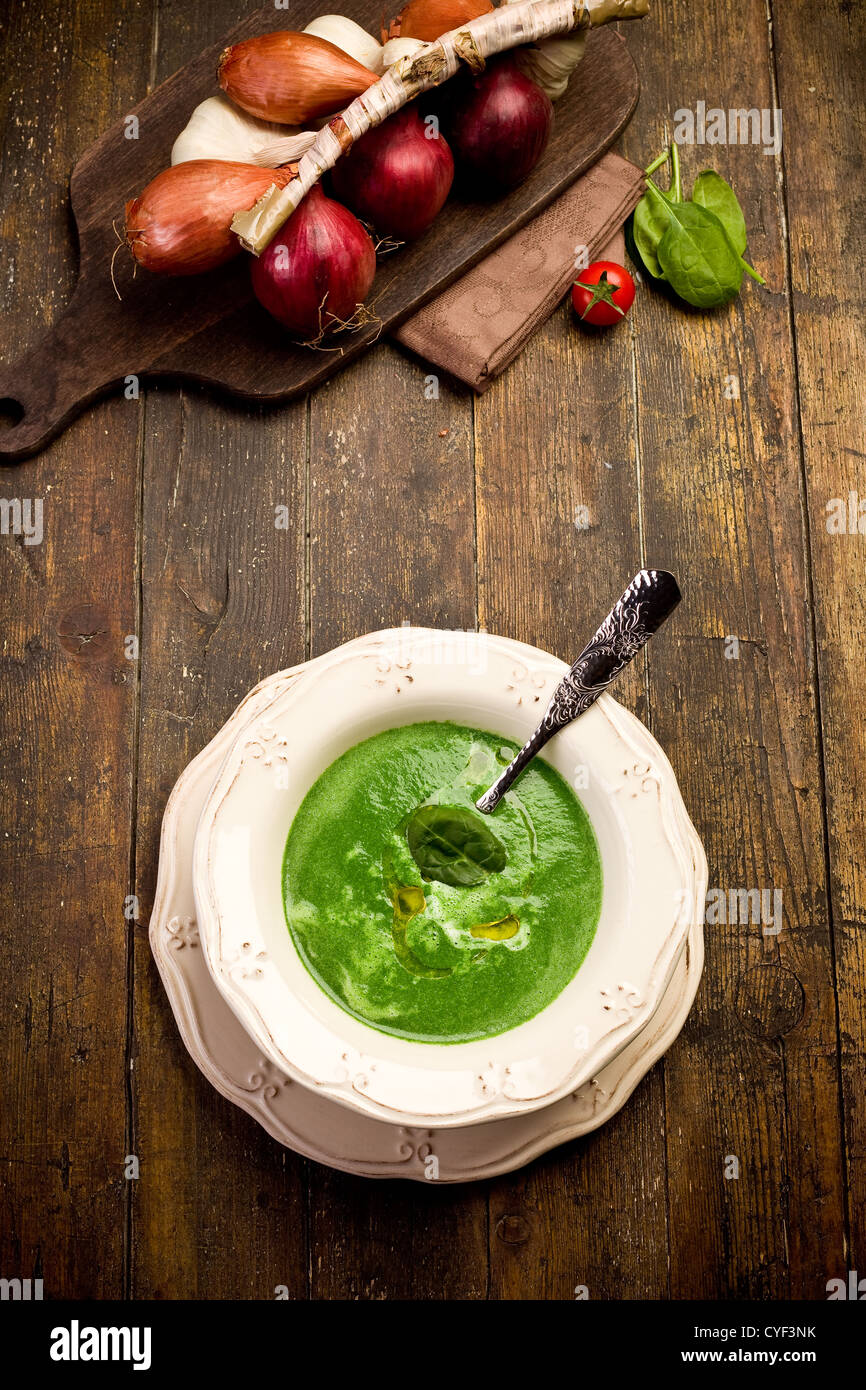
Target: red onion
column 498, row 125
column 318, row 269
column 397, row 176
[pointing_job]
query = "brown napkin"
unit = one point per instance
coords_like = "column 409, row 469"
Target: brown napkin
column 481, row 322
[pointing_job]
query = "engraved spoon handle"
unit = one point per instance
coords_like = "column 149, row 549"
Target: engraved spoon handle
column 648, row 601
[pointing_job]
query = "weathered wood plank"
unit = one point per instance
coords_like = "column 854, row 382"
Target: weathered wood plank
column 219, row 1210
column 391, row 541
column 821, row 95
column 67, row 694
column 755, row 1075
column 558, row 539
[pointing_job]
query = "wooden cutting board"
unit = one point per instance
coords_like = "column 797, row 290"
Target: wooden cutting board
column 208, row 328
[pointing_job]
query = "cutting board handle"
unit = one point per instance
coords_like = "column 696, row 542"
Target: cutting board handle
column 68, row 367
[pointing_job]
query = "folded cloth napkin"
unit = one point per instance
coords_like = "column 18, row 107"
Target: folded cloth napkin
column 481, row 322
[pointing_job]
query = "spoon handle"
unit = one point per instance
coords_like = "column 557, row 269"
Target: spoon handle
column 650, row 598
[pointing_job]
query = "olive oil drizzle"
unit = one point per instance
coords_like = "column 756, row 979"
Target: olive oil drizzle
column 409, row 901
column 502, row 930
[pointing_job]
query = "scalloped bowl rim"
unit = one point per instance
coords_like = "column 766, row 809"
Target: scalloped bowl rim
column 401, row 676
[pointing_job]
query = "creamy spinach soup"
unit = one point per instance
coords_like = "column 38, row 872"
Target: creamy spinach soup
column 419, row 915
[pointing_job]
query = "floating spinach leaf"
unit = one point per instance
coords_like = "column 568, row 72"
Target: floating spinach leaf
column 697, row 259
column 711, row 191
column 453, row 845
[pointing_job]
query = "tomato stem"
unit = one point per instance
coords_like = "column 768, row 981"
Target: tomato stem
column 602, row 293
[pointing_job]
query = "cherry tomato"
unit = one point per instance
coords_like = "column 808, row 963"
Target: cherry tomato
column 604, row 294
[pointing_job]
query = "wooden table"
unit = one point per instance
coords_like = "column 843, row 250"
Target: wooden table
column 712, row 444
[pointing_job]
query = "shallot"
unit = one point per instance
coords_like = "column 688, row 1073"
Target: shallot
column 430, row 19
column 291, row 78
column 181, row 223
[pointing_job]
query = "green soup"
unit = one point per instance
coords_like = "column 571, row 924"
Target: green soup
column 421, row 958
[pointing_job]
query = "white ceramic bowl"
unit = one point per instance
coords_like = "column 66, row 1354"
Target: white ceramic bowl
column 401, row 677
column 309, row 1122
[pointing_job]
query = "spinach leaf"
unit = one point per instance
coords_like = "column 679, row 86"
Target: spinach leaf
column 711, row 191
column 697, row 258
column 648, row 226
column 649, row 221
column 696, row 245
column 453, row 845
column 633, row 254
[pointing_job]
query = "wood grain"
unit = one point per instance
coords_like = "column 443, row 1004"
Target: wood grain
column 524, row 512
column 219, row 1212
column 391, row 541
column 209, row 329
column 67, row 694
column 558, row 537
column 722, row 508
column 821, row 93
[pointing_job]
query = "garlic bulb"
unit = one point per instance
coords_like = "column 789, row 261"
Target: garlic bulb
column 217, row 129
column 399, row 48
column 349, row 36
column 550, row 63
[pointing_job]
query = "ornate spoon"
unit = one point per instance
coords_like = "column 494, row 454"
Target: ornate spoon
column 648, row 601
